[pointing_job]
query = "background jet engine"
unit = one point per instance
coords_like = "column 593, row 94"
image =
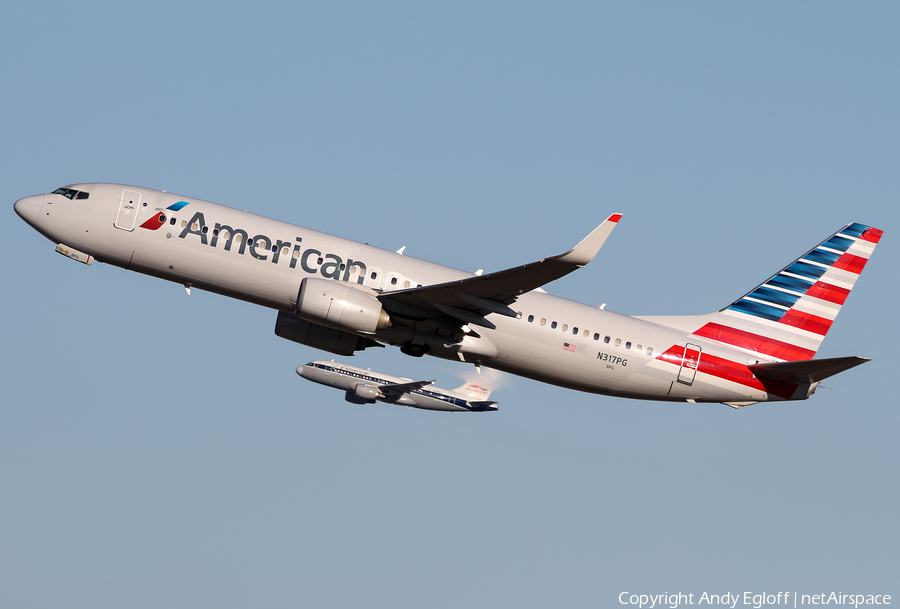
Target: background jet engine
column 338, row 305
column 362, row 394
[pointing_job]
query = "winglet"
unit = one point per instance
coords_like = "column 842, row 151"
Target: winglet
column 588, row 247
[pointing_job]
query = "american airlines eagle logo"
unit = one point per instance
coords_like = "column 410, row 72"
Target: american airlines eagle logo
column 158, row 219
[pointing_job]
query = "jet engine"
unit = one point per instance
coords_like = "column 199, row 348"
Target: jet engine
column 362, row 394
column 313, row 335
column 340, row 306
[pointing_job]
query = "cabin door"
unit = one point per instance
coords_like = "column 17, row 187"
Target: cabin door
column 689, row 364
column 128, row 210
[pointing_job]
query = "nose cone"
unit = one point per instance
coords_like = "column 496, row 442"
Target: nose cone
column 29, row 208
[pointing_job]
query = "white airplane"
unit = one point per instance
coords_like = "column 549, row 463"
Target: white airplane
column 365, row 387
column 342, row 296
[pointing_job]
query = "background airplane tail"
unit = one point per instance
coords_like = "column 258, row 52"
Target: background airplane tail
column 789, row 314
column 473, row 392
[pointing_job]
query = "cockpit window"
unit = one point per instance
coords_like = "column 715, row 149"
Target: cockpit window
column 71, row 193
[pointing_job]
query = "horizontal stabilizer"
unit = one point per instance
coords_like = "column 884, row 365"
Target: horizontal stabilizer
column 483, row 406
column 808, row 371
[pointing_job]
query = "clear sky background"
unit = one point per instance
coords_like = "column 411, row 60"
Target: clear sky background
column 158, row 450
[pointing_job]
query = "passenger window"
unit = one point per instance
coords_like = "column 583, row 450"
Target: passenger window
column 575, row 330
column 530, row 318
column 205, row 229
column 374, row 275
column 543, row 321
column 406, row 284
column 585, row 333
column 649, row 351
column 393, row 281
column 184, row 224
column 618, row 342
column 628, row 345
column 606, row 339
column 565, row 327
column 296, row 254
column 284, row 251
column 518, row 314
column 173, row 221
column 638, row 347
column 596, row 336
column 553, row 325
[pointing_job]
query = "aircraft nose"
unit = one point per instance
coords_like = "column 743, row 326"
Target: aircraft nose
column 29, row 208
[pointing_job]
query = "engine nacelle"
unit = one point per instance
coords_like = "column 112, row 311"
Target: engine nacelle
column 338, row 305
column 362, row 394
column 313, row 335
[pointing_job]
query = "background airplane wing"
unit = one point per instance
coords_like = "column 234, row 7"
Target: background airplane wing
column 394, row 392
column 470, row 299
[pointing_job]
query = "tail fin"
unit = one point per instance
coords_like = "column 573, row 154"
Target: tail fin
column 789, row 314
column 473, row 392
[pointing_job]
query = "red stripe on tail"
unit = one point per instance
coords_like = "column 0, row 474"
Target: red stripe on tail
column 872, row 234
column 849, row 262
column 730, row 371
column 826, row 291
column 754, row 342
column 805, row 321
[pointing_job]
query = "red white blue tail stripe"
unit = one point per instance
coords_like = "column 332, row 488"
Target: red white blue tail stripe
column 787, row 316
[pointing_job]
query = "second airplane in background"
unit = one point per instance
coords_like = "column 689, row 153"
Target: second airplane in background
column 367, row 387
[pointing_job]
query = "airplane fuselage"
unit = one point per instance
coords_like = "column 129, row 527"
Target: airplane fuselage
column 230, row 252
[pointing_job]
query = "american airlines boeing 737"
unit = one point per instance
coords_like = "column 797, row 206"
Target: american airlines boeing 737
column 342, row 296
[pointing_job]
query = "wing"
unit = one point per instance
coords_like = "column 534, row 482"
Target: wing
column 469, row 300
column 395, row 392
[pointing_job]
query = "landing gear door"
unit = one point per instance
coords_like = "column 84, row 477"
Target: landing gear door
column 128, row 210
column 689, row 364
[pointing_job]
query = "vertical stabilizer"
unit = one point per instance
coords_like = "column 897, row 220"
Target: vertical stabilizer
column 787, row 316
column 473, row 392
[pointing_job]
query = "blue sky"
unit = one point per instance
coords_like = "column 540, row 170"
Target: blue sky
column 158, row 450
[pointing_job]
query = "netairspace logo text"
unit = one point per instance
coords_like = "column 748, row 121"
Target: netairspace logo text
column 752, row 599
